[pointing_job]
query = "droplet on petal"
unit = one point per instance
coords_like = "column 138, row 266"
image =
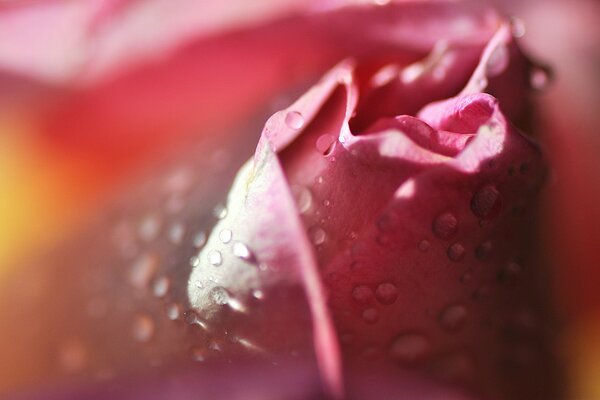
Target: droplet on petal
column 498, row 61
column 325, row 144
column 456, row 252
column 370, row 315
column 386, row 293
column 362, row 294
column 143, row 328
column 161, row 286
column 486, row 202
column 453, row 318
column 294, row 120
column 410, row 347
column 225, row 236
column 445, row 225
column 318, row 235
column 215, row 258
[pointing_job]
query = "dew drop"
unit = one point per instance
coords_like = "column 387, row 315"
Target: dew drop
column 498, row 61
column 149, row 227
column 410, row 347
column 362, row 294
column 143, row 270
column 445, row 225
column 326, row 203
column 195, row 261
column 453, row 318
column 483, row 251
column 303, row 198
column 220, row 211
column 486, row 202
column 386, row 293
column 517, row 27
column 258, row 294
column 456, row 252
column 424, row 245
column 225, row 236
column 199, row 239
column 325, row 144
column 197, row 354
column 539, row 78
column 240, row 250
column 317, row 235
column 370, row 315
column 294, row 120
column 161, row 286
column 219, row 295
column 176, row 233
column 215, row 258
column 174, row 311
column 143, row 328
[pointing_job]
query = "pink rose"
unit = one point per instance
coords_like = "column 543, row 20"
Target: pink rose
column 380, row 235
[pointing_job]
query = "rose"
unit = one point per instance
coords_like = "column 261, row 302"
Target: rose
column 249, row 309
column 411, row 229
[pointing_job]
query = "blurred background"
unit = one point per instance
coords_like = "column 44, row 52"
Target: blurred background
column 94, row 91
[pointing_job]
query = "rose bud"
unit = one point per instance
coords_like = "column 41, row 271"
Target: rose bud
column 378, row 238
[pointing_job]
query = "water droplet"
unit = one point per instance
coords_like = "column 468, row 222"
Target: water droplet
column 386, row 293
column 195, row 261
column 220, row 211
column 199, row 239
column 517, row 27
column 219, row 295
column 303, row 198
column 143, row 270
column 325, row 144
column 294, row 120
column 445, row 225
column 258, row 294
column 317, row 235
column 174, row 311
column 143, row 328
column 483, row 251
column 498, row 61
column 197, row 354
column 370, row 315
column 456, row 252
column 539, row 78
column 176, row 233
column 149, row 228
column 410, row 347
column 72, row 355
column 381, row 2
column 486, row 202
column 161, row 286
column 215, row 258
column 326, row 203
column 453, row 318
column 320, row 179
column 225, row 236
column 424, row 245
column 362, row 294
column 242, row 251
